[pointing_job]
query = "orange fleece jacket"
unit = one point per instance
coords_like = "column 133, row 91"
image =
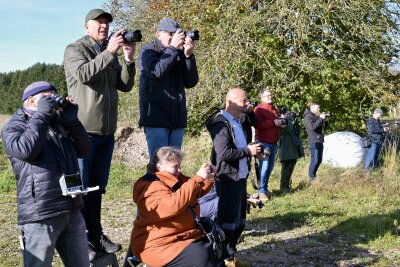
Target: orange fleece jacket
column 164, row 226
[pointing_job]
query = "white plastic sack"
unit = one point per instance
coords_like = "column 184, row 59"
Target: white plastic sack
column 343, row 149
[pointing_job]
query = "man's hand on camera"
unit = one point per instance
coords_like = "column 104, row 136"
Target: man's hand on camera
column 115, row 43
column 278, row 122
column 188, row 47
column 178, row 39
column 250, row 107
column 206, row 172
column 255, row 149
column 324, row 116
column 69, row 113
column 47, row 105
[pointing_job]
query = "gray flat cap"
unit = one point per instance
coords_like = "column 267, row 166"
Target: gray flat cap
column 378, row 110
column 95, row 13
column 168, row 25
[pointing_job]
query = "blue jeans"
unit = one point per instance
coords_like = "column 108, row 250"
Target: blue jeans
column 316, row 151
column 265, row 167
column 95, row 168
column 159, row 137
column 372, row 158
column 65, row 232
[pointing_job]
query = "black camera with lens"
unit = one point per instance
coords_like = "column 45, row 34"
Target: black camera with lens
column 265, row 151
column 194, row 35
column 61, row 101
column 131, row 36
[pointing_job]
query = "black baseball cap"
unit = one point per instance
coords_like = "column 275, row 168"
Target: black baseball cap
column 95, row 13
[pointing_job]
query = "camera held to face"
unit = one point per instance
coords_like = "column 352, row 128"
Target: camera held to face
column 284, row 121
column 265, row 151
column 131, row 36
column 62, row 102
column 194, row 35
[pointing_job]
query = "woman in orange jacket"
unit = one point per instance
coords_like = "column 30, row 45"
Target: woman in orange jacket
column 164, row 232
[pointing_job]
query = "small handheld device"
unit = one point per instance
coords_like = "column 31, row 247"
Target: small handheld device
column 71, row 185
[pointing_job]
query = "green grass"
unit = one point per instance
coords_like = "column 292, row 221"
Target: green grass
column 344, row 218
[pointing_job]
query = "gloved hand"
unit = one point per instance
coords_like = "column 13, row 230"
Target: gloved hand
column 47, row 105
column 69, row 113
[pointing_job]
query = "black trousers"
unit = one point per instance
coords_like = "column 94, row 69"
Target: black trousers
column 286, row 173
column 232, row 211
column 197, row 254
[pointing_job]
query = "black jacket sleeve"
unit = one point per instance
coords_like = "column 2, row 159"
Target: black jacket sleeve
column 224, row 144
column 25, row 141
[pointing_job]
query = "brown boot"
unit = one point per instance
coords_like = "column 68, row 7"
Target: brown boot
column 236, row 263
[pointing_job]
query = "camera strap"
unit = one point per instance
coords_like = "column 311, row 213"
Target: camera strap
column 197, row 221
column 254, row 181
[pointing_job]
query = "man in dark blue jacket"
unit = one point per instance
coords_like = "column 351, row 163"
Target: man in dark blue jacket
column 167, row 66
column 43, row 142
column 376, row 133
column 230, row 155
column 315, row 123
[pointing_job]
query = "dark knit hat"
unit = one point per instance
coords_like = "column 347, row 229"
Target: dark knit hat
column 95, row 13
column 168, row 25
column 36, row 88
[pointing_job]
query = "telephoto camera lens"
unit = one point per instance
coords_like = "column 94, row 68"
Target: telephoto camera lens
column 194, row 35
column 131, row 37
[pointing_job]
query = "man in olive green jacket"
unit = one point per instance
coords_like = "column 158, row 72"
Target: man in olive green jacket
column 290, row 147
column 93, row 76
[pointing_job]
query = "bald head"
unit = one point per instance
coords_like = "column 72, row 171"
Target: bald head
column 236, row 101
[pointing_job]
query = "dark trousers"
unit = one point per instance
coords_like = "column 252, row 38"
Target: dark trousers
column 95, row 168
column 198, row 253
column 286, row 173
column 316, row 151
column 232, row 211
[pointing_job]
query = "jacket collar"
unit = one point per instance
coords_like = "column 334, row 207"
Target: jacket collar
column 167, row 178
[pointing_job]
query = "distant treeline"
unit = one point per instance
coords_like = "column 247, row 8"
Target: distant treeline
column 12, row 84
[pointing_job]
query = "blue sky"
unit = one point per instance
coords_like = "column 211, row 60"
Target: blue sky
column 33, row 31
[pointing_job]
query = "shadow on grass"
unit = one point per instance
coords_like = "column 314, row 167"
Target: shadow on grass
column 337, row 246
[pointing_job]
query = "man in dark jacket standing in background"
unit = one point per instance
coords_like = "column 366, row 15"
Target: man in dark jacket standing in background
column 315, row 123
column 376, row 133
column 167, row 66
column 94, row 75
column 230, row 155
column 43, row 143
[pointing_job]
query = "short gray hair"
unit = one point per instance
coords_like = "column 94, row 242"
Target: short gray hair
column 166, row 153
column 264, row 90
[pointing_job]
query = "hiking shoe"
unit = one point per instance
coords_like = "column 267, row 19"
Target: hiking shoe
column 108, row 246
column 92, row 252
column 236, row 263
